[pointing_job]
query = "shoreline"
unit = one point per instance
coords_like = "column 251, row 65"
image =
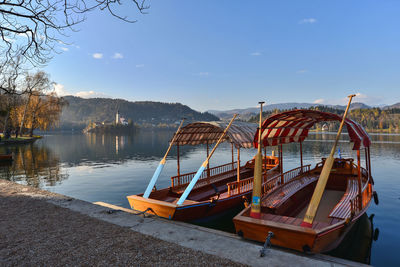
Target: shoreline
column 19, row 140
column 44, row 228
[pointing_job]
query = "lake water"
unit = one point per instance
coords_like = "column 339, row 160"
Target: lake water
column 108, row 168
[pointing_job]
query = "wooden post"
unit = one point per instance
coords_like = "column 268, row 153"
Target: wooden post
column 177, row 161
column 366, row 161
column 359, row 178
column 265, row 163
column 208, row 163
column 238, row 166
column 301, row 156
column 233, row 159
column 369, row 163
column 281, row 163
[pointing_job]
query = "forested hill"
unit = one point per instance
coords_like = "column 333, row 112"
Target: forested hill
column 372, row 119
column 79, row 112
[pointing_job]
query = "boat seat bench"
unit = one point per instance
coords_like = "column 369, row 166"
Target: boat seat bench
column 283, row 193
column 212, row 180
column 343, row 209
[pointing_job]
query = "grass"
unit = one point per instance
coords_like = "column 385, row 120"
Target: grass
column 20, row 138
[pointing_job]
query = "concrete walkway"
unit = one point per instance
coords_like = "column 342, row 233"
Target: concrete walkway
column 42, row 228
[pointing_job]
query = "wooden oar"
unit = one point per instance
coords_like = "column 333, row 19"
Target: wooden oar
column 255, row 211
column 203, row 166
column 323, row 178
column 161, row 165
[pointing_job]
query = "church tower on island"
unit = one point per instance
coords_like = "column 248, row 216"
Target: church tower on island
column 117, row 121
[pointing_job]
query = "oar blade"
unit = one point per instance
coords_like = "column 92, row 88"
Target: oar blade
column 191, row 185
column 153, row 180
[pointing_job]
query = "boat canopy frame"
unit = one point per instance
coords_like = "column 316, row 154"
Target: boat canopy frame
column 240, row 134
column 294, row 125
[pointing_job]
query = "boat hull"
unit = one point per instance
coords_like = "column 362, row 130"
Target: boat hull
column 190, row 211
column 294, row 237
column 7, row 157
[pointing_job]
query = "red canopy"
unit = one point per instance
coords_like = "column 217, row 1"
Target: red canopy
column 293, row 126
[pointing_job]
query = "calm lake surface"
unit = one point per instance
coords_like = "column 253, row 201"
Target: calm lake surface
column 108, row 168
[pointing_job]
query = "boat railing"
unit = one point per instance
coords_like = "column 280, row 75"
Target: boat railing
column 366, row 194
column 184, row 179
column 284, row 178
column 268, row 183
column 238, row 187
column 268, row 161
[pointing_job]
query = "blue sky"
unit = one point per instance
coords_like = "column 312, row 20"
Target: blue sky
column 231, row 54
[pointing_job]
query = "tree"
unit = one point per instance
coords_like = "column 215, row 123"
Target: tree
column 37, row 84
column 45, row 112
column 30, row 29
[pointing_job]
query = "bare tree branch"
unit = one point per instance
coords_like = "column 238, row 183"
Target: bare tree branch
column 31, row 29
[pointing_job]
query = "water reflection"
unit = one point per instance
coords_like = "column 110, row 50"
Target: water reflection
column 99, row 167
column 357, row 244
column 34, row 165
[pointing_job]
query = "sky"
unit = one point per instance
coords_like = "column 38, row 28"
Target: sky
column 232, row 54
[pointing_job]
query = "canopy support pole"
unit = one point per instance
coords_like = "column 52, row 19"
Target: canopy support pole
column 366, row 160
column 177, row 161
column 233, row 159
column 238, row 166
column 301, row 155
column 359, row 178
column 208, row 163
column 265, row 163
column 369, row 163
column 281, row 163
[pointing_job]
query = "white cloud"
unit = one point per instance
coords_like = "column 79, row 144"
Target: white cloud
column 308, row 21
column 59, row 89
column 301, row 71
column 118, row 56
column 139, row 65
column 319, row 101
column 91, row 94
column 202, row 74
column 97, row 55
column 65, row 49
column 256, row 54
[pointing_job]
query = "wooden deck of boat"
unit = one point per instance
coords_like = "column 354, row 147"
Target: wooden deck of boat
column 328, row 201
column 283, row 193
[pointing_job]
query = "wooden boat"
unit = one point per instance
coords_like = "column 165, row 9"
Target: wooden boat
column 285, row 196
column 216, row 191
column 6, row 157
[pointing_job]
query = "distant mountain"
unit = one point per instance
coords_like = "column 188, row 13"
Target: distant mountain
column 355, row 105
column 397, row 105
column 246, row 113
column 80, row 111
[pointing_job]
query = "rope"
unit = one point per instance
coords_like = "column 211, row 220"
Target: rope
column 137, row 213
column 266, row 244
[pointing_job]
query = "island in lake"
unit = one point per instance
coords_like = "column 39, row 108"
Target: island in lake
column 120, row 125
